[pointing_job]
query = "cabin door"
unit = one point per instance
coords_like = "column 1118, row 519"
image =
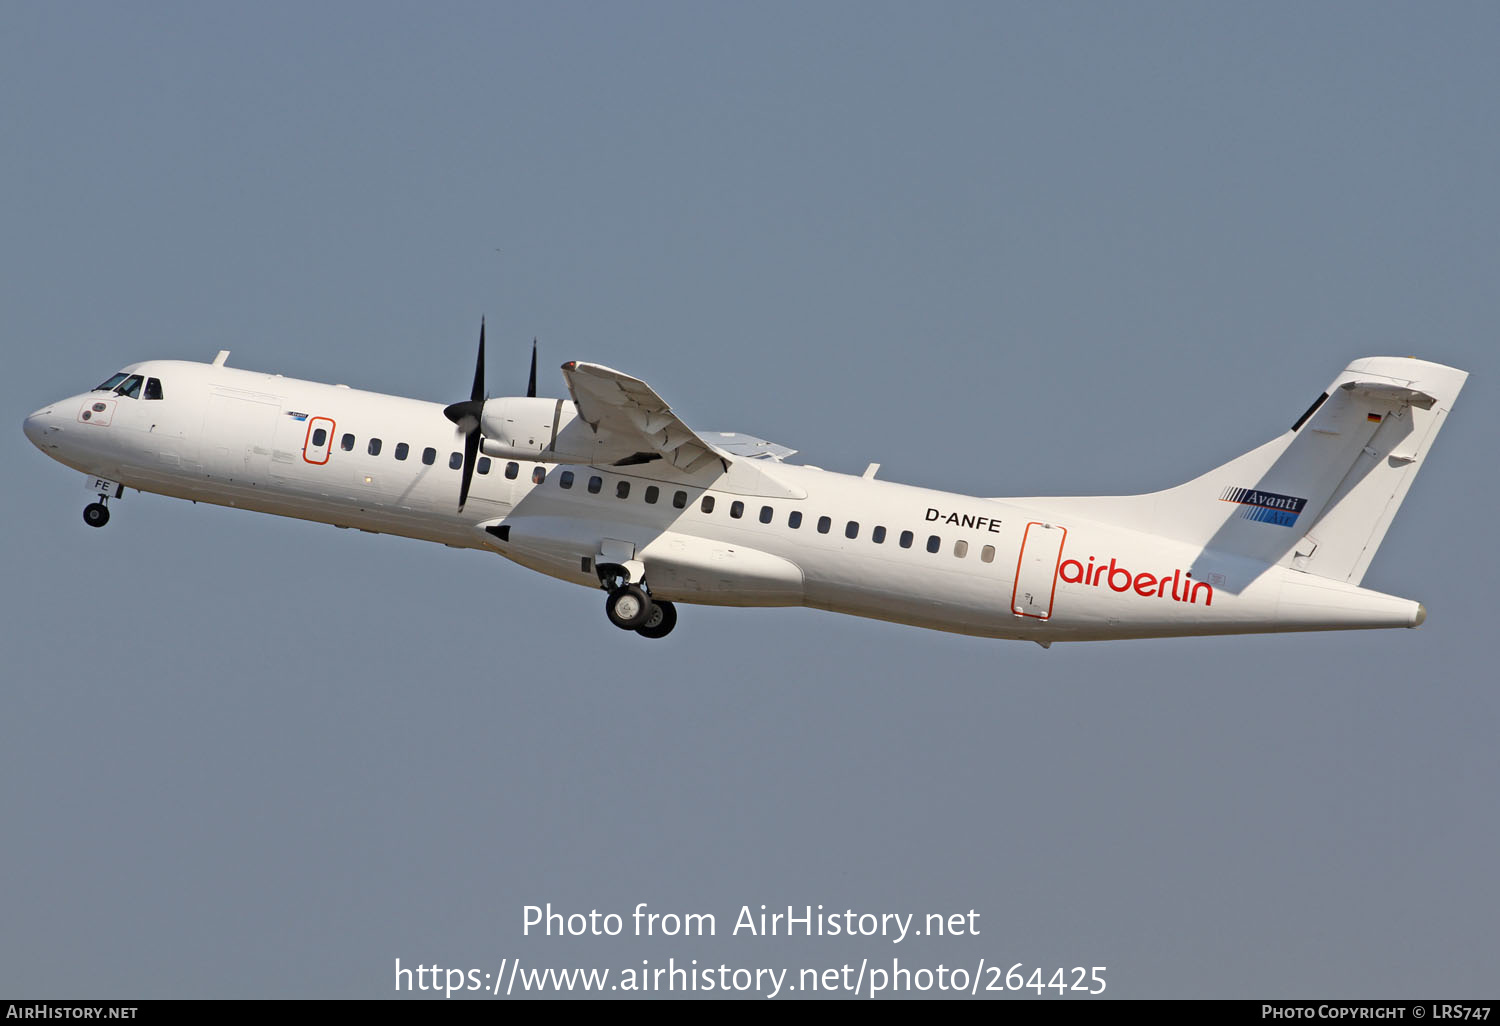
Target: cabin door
column 1036, row 570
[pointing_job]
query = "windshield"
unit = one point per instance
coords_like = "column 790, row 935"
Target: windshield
column 109, row 385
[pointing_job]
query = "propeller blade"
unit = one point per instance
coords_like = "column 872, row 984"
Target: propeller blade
column 466, row 416
column 471, row 450
column 531, row 385
column 476, row 394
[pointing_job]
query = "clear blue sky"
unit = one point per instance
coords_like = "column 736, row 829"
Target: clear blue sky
column 1008, row 249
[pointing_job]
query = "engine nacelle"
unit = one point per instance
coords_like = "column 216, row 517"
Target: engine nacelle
column 540, row 430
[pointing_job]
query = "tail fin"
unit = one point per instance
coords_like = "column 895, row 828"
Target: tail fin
column 1320, row 497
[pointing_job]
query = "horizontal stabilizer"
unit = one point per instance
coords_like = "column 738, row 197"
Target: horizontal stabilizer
column 1386, row 392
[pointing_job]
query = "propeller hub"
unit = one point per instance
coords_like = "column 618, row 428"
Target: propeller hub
column 465, row 414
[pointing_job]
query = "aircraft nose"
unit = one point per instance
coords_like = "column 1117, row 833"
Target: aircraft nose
column 37, row 424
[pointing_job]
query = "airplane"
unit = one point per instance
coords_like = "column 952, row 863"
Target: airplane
column 609, row 489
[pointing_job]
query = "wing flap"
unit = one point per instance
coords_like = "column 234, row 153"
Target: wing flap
column 629, row 417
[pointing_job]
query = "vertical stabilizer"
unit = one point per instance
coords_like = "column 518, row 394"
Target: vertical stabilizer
column 1340, row 543
column 1320, row 497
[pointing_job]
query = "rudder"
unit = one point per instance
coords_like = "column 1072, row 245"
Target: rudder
column 1344, row 538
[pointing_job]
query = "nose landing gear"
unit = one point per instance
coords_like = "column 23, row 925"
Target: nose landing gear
column 96, row 514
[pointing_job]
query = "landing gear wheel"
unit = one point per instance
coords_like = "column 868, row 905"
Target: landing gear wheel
column 661, row 621
column 96, row 514
column 627, row 607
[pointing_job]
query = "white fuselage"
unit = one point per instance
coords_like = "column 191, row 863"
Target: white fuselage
column 1005, row 568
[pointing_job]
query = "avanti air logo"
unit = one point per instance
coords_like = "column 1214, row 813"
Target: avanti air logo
column 1265, row 507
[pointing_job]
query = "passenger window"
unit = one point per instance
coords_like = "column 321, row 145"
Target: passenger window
column 766, row 512
column 455, row 460
column 851, row 530
column 906, row 539
column 566, row 480
column 402, row 449
column 987, row 554
column 934, row 543
column 878, row 536
column 320, row 435
column 511, row 470
column 153, row 388
column 130, row 388
column 708, row 504
column 484, row 465
column 538, row 475
column 374, row 447
column 794, row 519
column 679, row 500
column 622, row 490
column 960, row 548
column 824, row 523
column 652, row 494
column 429, row 456
column 347, row 443
column 595, row 483
column 736, row 509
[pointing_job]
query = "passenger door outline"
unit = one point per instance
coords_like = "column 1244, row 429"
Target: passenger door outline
column 325, row 450
column 1036, row 570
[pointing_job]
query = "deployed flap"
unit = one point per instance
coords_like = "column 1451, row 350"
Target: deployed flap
column 630, row 418
column 737, row 444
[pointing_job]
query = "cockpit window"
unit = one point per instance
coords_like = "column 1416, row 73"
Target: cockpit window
column 153, row 388
column 130, row 388
column 109, row 386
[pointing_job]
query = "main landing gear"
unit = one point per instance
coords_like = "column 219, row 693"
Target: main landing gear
column 630, row 608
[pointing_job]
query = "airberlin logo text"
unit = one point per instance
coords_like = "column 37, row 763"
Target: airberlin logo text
column 1179, row 585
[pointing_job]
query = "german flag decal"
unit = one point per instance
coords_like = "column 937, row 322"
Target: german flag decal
column 1373, row 418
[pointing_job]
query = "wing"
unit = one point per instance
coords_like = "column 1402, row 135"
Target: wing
column 634, row 424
